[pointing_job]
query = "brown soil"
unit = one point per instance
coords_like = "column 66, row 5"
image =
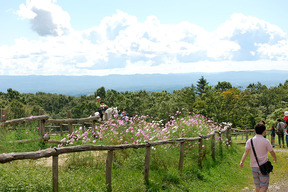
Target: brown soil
column 47, row 162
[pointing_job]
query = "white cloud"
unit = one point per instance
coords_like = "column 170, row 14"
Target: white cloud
column 277, row 51
column 250, row 34
column 123, row 45
column 46, row 17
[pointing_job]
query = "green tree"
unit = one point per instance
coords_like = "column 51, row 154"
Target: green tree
column 223, row 86
column 12, row 94
column 16, row 109
column 246, row 110
column 185, row 98
column 101, row 92
column 201, row 83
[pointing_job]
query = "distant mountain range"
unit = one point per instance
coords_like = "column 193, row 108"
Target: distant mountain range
column 85, row 85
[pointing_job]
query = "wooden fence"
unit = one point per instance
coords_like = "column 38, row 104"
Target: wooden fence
column 44, row 120
column 55, row 152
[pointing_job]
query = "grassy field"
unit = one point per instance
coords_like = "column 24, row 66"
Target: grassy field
column 85, row 171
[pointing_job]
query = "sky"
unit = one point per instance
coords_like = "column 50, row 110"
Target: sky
column 97, row 37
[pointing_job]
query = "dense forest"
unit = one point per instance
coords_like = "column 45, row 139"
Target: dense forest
column 223, row 102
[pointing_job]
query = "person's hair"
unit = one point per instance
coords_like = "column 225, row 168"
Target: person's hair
column 272, row 127
column 278, row 120
column 263, row 122
column 259, row 128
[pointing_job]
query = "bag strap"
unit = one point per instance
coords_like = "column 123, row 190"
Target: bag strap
column 254, row 152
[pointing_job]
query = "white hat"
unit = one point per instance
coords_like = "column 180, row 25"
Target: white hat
column 98, row 97
column 286, row 113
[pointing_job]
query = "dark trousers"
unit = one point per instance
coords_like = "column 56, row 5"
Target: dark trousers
column 281, row 137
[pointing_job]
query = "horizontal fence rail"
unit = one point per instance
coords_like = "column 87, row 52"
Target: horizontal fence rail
column 7, row 157
column 80, row 120
column 26, row 119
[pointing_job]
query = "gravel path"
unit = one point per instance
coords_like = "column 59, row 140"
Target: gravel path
column 280, row 186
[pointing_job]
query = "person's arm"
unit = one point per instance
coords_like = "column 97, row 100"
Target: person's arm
column 244, row 157
column 274, row 156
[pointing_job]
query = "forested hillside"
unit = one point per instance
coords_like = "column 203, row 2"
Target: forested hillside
column 223, row 102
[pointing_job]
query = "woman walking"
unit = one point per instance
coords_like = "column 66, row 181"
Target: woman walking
column 262, row 147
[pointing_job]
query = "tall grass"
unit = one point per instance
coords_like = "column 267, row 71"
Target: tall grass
column 9, row 138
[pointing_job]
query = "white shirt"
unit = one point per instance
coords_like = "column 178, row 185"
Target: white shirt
column 262, row 146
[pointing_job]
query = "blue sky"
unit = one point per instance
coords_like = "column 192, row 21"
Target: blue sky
column 91, row 37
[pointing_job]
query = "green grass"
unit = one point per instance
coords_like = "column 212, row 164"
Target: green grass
column 86, row 172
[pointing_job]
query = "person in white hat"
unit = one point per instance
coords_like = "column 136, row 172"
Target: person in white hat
column 98, row 105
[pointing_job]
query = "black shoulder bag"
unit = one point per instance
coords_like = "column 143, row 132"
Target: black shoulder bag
column 267, row 167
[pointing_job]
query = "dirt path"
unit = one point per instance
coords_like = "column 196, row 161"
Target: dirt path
column 280, row 186
column 47, row 162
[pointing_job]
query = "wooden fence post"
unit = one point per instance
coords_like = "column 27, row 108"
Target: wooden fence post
column 109, row 162
column 83, row 127
column 182, row 152
column 93, row 121
column 3, row 118
column 41, row 123
column 61, row 129
column 246, row 133
column 220, row 143
column 227, row 137
column 147, row 164
column 70, row 124
column 213, row 146
column 230, row 136
column 200, row 152
column 55, row 172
